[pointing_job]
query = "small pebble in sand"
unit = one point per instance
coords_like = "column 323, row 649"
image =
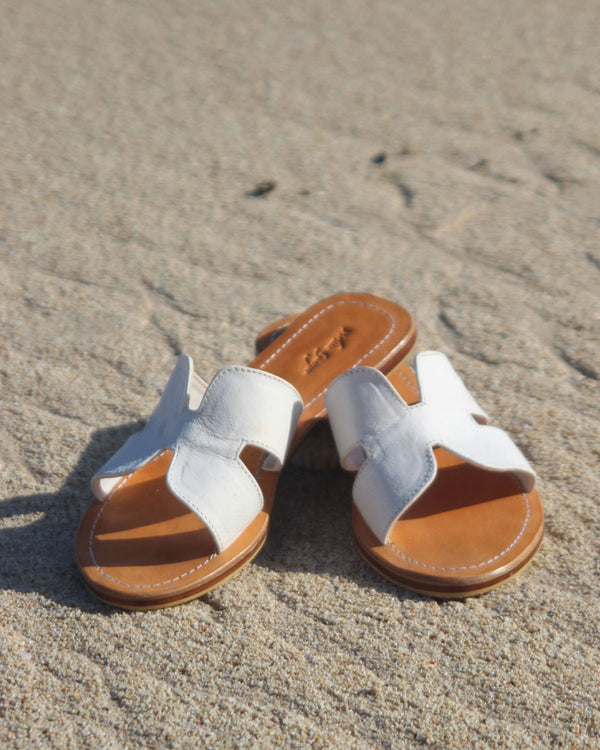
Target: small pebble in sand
column 379, row 158
column 261, row 188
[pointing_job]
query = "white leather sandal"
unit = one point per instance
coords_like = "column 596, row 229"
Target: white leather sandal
column 186, row 502
column 444, row 504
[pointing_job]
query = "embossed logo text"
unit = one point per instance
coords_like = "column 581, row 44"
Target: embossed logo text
column 321, row 353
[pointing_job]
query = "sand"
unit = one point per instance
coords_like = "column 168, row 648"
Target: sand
column 130, row 134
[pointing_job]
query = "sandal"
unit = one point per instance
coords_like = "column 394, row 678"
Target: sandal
column 185, row 502
column 444, row 504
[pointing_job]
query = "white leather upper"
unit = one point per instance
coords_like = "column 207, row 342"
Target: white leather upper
column 241, row 406
column 392, row 443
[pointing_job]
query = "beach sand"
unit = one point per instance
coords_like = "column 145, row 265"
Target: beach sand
column 130, row 134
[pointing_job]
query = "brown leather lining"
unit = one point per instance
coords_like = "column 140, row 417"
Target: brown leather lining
column 142, row 548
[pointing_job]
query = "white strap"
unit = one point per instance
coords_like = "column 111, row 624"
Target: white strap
column 392, row 443
column 241, row 406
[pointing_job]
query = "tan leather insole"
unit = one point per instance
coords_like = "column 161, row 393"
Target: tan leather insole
column 143, row 548
column 471, row 529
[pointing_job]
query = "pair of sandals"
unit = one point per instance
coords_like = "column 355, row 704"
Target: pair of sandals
column 444, row 504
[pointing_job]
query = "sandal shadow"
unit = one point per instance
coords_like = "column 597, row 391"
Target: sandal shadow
column 36, row 555
column 310, row 532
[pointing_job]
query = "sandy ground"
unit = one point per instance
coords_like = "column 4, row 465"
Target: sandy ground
column 130, row 133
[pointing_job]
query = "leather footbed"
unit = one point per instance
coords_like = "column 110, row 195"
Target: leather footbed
column 142, row 548
column 471, row 529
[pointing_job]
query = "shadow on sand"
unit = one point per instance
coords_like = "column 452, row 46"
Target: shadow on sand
column 310, row 530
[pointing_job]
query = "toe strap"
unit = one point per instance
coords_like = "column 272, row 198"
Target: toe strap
column 242, row 406
column 391, row 443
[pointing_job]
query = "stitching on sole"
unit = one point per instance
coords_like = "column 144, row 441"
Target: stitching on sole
column 213, row 555
column 322, row 312
column 478, row 565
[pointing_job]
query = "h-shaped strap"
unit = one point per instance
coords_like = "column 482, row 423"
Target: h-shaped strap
column 241, row 406
column 392, row 443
